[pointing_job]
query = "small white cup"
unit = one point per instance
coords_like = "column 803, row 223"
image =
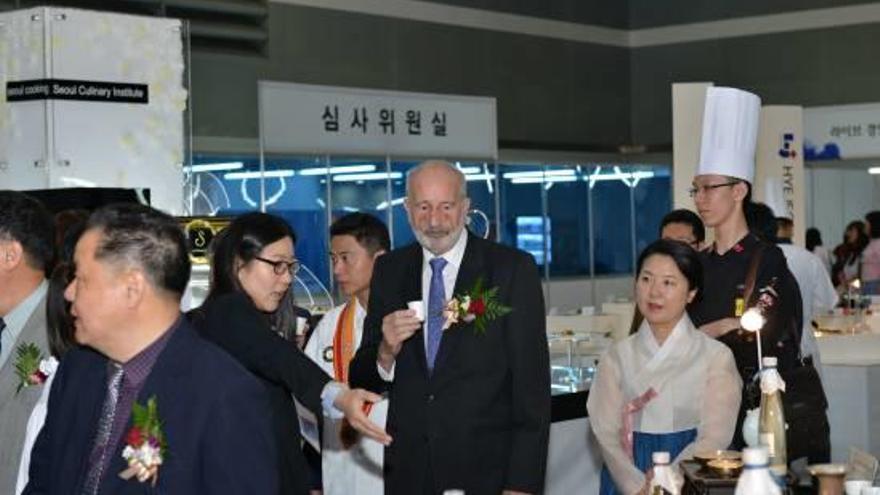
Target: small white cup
column 419, row 308
column 855, row 487
column 300, row 325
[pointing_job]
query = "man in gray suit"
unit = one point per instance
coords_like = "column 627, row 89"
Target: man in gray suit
column 26, row 252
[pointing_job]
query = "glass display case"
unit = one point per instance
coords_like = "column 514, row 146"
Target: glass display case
column 574, row 356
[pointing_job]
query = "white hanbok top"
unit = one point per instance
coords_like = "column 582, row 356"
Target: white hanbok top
column 358, row 470
column 697, row 386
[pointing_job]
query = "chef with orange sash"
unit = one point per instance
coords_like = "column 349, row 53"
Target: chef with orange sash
column 356, row 241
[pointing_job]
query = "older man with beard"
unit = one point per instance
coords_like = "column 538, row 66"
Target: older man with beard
column 469, row 400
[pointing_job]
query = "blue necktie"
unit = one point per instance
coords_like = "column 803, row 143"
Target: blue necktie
column 436, row 301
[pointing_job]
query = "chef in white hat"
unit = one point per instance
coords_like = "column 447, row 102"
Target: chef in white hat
column 722, row 190
column 817, row 291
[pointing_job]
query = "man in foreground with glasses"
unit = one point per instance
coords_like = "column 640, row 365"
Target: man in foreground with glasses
column 356, row 242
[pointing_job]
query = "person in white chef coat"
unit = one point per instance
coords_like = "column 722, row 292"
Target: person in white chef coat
column 356, row 241
column 817, row 292
column 667, row 387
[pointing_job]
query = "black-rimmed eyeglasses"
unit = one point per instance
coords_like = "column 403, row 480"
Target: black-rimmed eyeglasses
column 281, row 266
column 708, row 187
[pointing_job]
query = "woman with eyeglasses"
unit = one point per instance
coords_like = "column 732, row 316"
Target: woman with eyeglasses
column 722, row 190
column 248, row 310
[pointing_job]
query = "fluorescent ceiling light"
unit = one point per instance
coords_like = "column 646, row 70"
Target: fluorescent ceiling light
column 256, row 174
column 621, row 176
column 471, row 177
column 470, row 170
column 540, row 180
column 539, row 174
column 372, row 176
column 625, row 177
column 394, row 202
column 342, row 169
column 214, row 167
column 874, row 170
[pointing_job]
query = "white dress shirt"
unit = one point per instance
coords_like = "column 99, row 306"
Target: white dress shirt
column 453, row 258
column 16, row 320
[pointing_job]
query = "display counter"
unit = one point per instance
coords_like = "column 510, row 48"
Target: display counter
column 851, row 375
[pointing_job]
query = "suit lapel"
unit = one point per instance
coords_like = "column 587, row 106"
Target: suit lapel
column 470, row 270
column 33, row 332
column 167, row 381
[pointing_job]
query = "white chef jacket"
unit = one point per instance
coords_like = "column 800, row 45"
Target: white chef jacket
column 357, row 471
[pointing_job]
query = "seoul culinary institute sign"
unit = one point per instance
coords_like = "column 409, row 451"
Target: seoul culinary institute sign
column 68, row 89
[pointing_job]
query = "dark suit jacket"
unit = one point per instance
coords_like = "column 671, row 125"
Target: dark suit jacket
column 215, row 416
column 480, row 422
column 232, row 322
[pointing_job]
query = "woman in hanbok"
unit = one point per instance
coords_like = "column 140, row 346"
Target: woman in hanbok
column 668, row 387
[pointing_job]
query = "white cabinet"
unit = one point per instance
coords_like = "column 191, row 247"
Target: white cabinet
column 70, row 115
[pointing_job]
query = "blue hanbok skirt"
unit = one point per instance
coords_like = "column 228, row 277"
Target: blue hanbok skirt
column 644, row 445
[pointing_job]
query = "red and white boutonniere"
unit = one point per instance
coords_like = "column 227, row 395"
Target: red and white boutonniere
column 478, row 305
column 144, row 443
column 31, row 367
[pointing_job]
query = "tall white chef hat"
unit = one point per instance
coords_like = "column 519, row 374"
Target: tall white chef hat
column 730, row 133
column 774, row 197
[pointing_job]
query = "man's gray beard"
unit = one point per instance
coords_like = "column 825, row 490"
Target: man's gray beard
column 426, row 241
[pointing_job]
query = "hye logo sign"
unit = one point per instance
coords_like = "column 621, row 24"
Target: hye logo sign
column 786, row 150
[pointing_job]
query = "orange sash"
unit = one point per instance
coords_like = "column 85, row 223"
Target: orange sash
column 343, row 351
column 343, row 341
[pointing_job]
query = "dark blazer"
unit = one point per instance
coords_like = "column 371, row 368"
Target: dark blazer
column 480, row 422
column 214, row 414
column 232, row 322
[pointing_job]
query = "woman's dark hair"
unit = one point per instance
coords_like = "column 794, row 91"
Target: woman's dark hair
column 873, row 218
column 240, row 243
column 814, row 238
column 686, row 259
column 861, row 238
column 59, row 323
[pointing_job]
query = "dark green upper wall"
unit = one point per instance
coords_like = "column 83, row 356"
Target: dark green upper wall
column 548, row 91
column 654, row 13
column 609, row 13
column 810, row 68
column 636, row 14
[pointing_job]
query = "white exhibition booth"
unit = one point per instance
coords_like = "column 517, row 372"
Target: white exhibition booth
column 92, row 99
